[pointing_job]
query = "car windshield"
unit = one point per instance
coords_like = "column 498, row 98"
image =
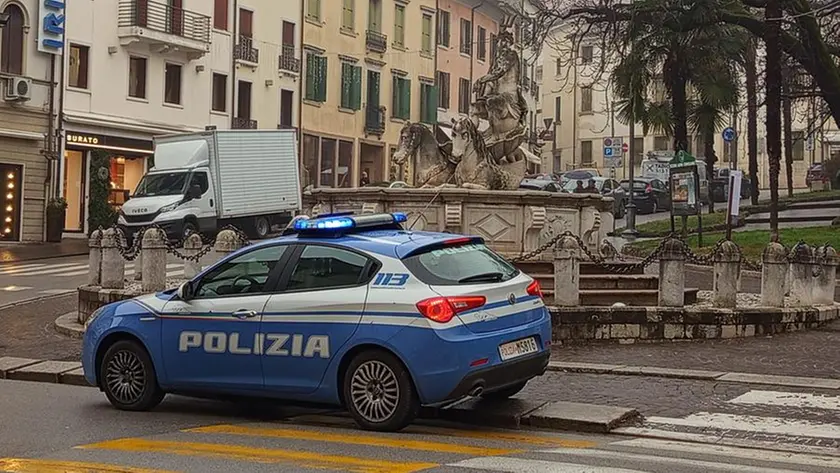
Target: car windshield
column 637, row 185
column 162, row 183
column 471, row 263
column 571, row 185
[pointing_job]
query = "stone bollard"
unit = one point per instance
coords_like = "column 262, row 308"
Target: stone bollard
column 727, row 272
column 672, row 274
column 566, row 273
column 802, row 276
column 95, row 258
column 227, row 241
column 192, row 246
column 154, row 260
column 827, row 280
column 113, row 264
column 774, row 275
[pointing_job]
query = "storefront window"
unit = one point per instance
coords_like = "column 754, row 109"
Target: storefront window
column 126, row 173
column 345, row 163
column 372, row 162
column 75, row 169
column 309, row 167
column 10, row 176
column 327, row 162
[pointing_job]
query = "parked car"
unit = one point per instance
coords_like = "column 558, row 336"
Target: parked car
column 720, row 185
column 606, row 187
column 816, row 173
column 649, row 195
column 540, row 184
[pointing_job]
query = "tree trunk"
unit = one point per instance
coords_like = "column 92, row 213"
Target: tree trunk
column 752, row 120
column 711, row 157
column 679, row 110
column 773, row 80
column 788, row 129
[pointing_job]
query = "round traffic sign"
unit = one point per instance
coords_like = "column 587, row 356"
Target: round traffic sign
column 728, row 133
column 607, row 142
column 625, row 147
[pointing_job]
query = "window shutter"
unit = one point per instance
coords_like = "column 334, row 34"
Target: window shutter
column 310, row 76
column 373, row 89
column 321, row 79
column 356, row 97
column 406, row 100
column 348, row 20
column 345, row 84
column 395, row 97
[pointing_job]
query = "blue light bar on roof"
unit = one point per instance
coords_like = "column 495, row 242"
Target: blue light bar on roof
column 327, row 224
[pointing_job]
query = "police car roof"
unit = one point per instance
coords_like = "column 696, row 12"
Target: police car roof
column 391, row 243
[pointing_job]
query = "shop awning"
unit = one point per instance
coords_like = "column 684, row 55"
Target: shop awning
column 531, row 157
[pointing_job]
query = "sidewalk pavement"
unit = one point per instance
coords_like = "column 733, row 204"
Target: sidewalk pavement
column 28, row 252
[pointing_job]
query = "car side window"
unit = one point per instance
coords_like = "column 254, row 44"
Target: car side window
column 607, row 186
column 325, row 267
column 246, row 274
column 200, row 179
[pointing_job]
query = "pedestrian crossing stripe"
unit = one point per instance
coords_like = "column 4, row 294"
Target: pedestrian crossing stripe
column 75, row 270
column 786, row 399
column 31, row 465
column 760, row 424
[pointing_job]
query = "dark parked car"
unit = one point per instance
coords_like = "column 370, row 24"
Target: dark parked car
column 606, row 187
column 649, row 195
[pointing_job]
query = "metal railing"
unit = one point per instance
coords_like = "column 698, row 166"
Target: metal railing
column 161, row 17
column 376, row 41
column 240, row 123
column 288, row 61
column 245, row 50
column 375, row 119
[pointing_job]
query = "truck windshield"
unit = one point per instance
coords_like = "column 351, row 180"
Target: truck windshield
column 164, row 183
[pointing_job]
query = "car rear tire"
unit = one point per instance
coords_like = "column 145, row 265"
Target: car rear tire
column 378, row 392
column 504, row 393
column 128, row 377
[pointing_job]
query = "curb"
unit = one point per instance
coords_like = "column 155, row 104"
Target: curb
column 722, row 376
column 512, row 413
column 68, row 325
column 33, row 300
column 41, row 258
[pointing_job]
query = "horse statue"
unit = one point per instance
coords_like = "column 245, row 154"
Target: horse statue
column 499, row 99
column 433, row 165
column 477, row 168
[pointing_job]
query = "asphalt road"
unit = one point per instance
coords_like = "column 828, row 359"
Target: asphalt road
column 49, row 428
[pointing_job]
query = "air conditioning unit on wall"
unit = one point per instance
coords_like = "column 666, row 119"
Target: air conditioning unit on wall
column 18, row 89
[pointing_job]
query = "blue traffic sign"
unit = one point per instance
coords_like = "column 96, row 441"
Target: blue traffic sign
column 728, row 134
column 608, row 151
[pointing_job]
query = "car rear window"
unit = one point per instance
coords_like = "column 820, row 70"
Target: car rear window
column 470, row 263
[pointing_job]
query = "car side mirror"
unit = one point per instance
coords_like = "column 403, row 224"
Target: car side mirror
column 194, row 192
column 185, row 291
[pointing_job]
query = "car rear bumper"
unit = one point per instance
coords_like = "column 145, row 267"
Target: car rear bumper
column 501, row 376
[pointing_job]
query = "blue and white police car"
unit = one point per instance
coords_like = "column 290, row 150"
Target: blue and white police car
column 342, row 309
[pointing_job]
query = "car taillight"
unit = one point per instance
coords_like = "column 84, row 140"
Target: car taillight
column 442, row 309
column 534, row 289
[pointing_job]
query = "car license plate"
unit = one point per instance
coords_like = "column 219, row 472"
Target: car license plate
column 518, row 348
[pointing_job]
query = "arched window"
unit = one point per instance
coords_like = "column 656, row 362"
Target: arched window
column 11, row 56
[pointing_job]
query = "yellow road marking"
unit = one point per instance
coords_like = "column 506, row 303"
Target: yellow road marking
column 355, row 439
column 30, row 465
column 495, row 435
column 262, row 455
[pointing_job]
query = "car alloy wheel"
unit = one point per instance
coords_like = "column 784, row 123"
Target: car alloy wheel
column 125, row 377
column 374, row 391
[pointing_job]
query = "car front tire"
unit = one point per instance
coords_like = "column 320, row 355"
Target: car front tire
column 128, row 377
column 504, row 393
column 378, row 392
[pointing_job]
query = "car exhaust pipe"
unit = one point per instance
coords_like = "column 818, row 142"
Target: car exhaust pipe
column 476, row 390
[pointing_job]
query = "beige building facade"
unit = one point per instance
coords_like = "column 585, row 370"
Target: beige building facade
column 368, row 69
column 27, row 118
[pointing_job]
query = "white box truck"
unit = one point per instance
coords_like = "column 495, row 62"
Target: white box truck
column 204, row 181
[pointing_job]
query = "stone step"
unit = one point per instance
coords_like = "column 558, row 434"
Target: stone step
column 606, row 281
column 587, row 267
column 630, row 297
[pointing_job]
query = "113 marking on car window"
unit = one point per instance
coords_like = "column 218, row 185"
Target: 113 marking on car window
column 390, row 280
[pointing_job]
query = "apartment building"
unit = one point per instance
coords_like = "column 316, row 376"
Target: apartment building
column 582, row 109
column 369, row 68
column 134, row 69
column 27, row 109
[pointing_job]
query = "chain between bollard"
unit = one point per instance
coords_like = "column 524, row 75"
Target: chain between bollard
column 131, row 252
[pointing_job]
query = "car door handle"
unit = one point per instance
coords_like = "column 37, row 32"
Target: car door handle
column 245, row 314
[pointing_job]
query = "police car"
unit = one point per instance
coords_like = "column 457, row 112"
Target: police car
column 342, row 309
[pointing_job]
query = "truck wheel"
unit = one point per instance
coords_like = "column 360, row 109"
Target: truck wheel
column 261, row 227
column 127, row 375
column 189, row 229
column 378, row 392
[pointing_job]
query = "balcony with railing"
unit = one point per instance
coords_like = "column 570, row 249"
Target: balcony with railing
column 163, row 27
column 375, row 120
column 245, row 51
column 241, row 123
column 288, row 62
column 376, row 41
